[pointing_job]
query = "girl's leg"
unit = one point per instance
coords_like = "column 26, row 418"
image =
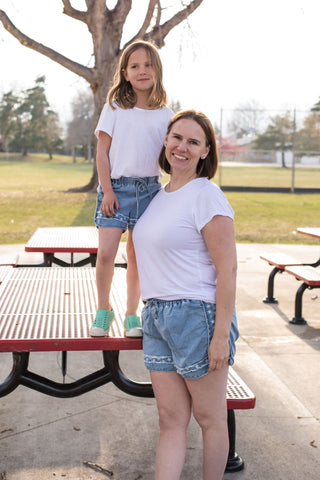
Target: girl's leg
column 174, row 407
column 210, row 410
column 109, row 239
column 133, row 285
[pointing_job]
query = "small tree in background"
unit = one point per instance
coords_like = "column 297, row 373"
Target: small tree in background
column 80, row 129
column 278, row 136
column 8, row 118
column 27, row 122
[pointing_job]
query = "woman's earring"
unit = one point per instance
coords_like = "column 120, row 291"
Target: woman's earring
column 203, row 156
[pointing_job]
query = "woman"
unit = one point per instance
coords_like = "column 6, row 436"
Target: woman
column 186, row 255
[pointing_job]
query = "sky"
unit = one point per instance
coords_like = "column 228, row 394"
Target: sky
column 232, row 53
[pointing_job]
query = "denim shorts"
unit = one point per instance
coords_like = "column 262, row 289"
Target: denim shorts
column 134, row 195
column 177, row 334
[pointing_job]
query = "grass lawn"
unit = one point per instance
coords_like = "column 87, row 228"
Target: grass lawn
column 33, row 194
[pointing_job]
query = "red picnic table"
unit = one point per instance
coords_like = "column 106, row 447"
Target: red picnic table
column 51, row 309
column 53, row 240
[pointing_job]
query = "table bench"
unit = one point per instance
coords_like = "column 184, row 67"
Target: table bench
column 279, row 261
column 53, row 240
column 51, row 309
column 9, row 259
column 310, row 277
column 4, row 271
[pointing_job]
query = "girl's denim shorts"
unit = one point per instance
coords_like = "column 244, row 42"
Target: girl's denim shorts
column 177, row 334
column 134, row 195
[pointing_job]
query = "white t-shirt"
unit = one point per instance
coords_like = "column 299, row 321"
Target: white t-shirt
column 137, row 138
column 173, row 259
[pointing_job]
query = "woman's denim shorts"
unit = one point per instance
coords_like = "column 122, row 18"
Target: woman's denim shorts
column 177, row 334
column 134, row 195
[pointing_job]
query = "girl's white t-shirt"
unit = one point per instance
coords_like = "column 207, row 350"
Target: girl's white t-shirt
column 173, row 259
column 137, row 138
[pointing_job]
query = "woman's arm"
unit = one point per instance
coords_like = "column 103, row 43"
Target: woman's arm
column 110, row 200
column 220, row 239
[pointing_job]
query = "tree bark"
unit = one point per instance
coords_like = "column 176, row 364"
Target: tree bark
column 106, row 27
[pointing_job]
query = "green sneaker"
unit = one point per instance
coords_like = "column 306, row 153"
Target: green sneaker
column 101, row 323
column 132, row 326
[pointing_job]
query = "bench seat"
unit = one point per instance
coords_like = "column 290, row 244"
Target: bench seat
column 280, row 261
column 307, row 274
column 9, row 259
column 310, row 276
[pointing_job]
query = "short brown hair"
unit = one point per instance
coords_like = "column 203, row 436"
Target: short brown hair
column 122, row 92
column 206, row 167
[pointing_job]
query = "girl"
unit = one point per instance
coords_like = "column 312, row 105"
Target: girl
column 130, row 132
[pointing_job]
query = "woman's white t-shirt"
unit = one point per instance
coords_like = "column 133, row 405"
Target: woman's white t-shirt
column 173, row 259
column 137, row 138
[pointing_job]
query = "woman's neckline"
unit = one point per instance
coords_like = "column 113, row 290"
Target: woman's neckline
column 182, row 186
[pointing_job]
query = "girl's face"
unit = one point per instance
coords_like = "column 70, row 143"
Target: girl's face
column 185, row 145
column 140, row 72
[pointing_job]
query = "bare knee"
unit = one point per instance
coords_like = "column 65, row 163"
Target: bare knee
column 105, row 256
column 173, row 418
column 216, row 420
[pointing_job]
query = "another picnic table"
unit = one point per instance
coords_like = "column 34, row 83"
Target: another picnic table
column 305, row 272
column 51, row 309
column 53, row 240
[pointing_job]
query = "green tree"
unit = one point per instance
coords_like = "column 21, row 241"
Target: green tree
column 308, row 138
column 316, row 107
column 106, row 26
column 37, row 126
column 8, row 118
column 278, row 136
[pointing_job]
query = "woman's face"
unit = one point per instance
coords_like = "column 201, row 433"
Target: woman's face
column 185, row 145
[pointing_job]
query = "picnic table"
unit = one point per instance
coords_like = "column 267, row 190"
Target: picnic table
column 305, row 272
column 53, row 240
column 46, row 309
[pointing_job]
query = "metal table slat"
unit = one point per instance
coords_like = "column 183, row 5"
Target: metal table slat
column 42, row 304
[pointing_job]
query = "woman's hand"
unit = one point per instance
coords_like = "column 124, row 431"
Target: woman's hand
column 218, row 353
column 109, row 203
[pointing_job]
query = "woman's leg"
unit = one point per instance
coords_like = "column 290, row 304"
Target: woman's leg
column 133, row 285
column 210, row 410
column 174, row 407
column 109, row 239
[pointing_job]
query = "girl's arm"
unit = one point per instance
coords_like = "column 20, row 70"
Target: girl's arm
column 220, row 239
column 110, row 201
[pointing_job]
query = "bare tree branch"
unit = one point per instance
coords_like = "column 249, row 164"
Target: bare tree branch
column 147, row 20
column 158, row 13
column 72, row 12
column 119, row 14
column 158, row 33
column 26, row 41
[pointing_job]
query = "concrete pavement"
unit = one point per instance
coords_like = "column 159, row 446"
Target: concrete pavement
column 44, row 438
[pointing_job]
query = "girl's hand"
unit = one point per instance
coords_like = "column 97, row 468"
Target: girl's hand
column 218, row 353
column 109, row 203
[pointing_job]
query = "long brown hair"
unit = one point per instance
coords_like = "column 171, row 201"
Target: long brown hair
column 122, row 92
column 208, row 166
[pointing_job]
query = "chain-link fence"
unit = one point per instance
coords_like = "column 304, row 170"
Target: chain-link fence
column 285, row 144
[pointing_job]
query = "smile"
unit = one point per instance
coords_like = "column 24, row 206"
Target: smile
column 178, row 157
